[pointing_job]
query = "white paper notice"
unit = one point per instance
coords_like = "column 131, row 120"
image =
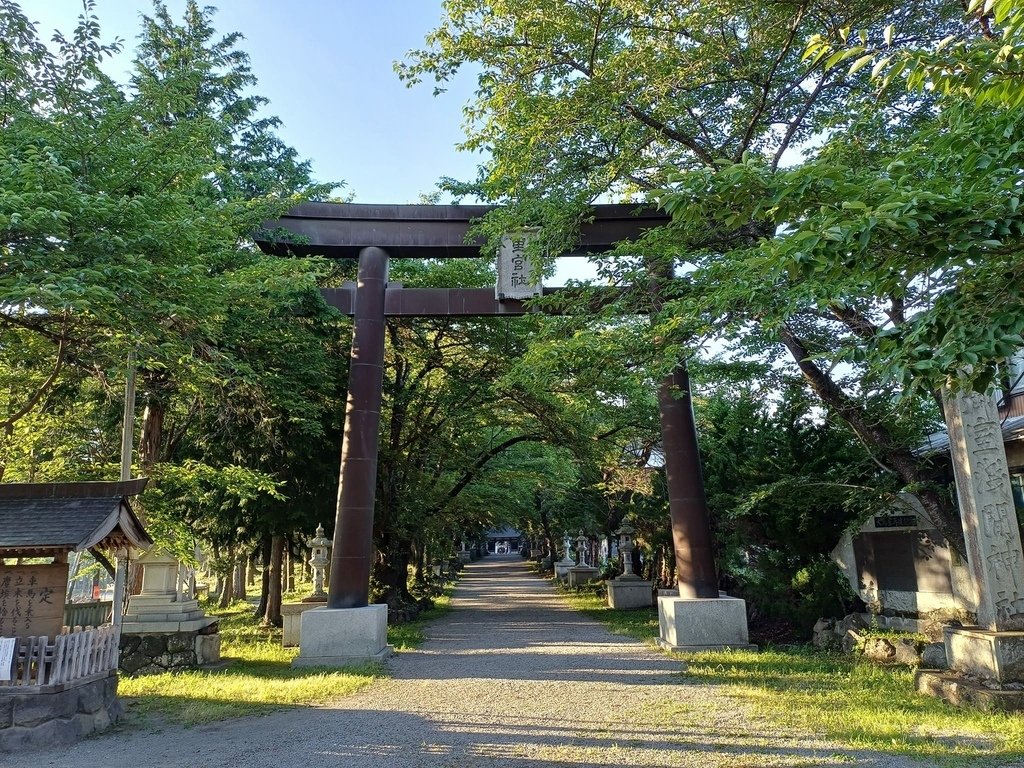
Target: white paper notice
column 6, row 656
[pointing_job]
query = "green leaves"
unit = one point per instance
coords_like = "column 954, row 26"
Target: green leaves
column 124, row 220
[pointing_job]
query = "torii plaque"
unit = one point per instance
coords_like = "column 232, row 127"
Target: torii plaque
column 376, row 233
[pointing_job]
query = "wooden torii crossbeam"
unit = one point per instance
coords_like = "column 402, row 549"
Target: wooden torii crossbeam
column 373, row 234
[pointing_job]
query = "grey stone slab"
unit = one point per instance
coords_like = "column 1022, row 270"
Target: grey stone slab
column 702, row 623
column 628, row 594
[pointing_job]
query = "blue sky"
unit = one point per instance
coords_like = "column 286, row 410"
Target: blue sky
column 326, row 66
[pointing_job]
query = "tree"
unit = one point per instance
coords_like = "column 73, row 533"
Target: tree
column 125, row 215
column 621, row 98
column 902, row 246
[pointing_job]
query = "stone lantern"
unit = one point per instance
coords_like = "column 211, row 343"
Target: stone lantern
column 629, row 590
column 582, row 573
column 581, row 548
column 562, row 566
column 625, row 534
column 320, row 545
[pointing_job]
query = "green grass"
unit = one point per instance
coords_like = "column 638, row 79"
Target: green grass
column 258, row 677
column 407, row 636
column 851, row 701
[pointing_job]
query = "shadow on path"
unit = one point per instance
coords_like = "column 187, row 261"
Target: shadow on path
column 510, row 678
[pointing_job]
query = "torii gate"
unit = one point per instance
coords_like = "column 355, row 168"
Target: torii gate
column 375, row 233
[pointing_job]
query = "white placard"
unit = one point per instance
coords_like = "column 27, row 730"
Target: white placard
column 515, row 270
column 7, row 645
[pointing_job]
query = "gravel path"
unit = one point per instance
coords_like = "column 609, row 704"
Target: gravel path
column 511, row 678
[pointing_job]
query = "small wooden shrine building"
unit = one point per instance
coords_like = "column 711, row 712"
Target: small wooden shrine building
column 44, row 664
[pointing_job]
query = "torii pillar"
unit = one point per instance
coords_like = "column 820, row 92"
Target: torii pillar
column 699, row 617
column 349, row 630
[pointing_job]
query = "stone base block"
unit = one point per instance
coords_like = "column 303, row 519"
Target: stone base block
column 57, row 715
column 338, row 637
column 582, row 575
column 989, row 655
column 155, row 652
column 626, row 593
column 703, row 623
column 208, row 649
column 961, row 691
column 291, row 613
column 562, row 569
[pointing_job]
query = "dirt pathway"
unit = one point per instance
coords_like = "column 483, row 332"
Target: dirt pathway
column 510, row 678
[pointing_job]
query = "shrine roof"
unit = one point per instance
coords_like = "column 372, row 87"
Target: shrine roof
column 46, row 518
column 503, row 533
column 342, row 230
column 1012, row 429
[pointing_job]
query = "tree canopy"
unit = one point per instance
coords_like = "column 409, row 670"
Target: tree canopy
column 862, row 228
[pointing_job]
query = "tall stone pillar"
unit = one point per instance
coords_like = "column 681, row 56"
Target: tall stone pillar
column 995, row 648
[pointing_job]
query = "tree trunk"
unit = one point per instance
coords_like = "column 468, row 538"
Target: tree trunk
column 545, row 524
column 876, row 437
column 419, row 561
column 289, row 573
column 392, row 571
column 226, row 582
column 275, row 582
column 239, row 578
column 152, row 432
column 226, row 592
column 265, row 552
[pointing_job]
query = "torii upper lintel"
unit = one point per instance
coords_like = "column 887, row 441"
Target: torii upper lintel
column 342, row 230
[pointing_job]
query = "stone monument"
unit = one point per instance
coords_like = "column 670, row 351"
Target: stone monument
column 994, row 649
column 629, row 590
column 161, row 629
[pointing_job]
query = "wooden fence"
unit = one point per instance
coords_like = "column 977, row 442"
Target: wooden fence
column 74, row 656
column 87, row 614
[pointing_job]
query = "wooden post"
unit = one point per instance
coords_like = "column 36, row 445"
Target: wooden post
column 128, row 423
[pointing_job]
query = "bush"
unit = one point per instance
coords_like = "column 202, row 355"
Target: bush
column 775, row 594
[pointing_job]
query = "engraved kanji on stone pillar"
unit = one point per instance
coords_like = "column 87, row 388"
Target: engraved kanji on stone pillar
column 986, row 508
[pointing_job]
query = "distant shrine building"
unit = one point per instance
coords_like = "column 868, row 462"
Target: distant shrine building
column 506, row 541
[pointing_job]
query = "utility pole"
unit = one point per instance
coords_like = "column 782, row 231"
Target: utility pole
column 128, row 423
column 127, row 433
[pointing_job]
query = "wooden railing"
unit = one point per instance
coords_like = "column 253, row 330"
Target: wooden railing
column 80, row 654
